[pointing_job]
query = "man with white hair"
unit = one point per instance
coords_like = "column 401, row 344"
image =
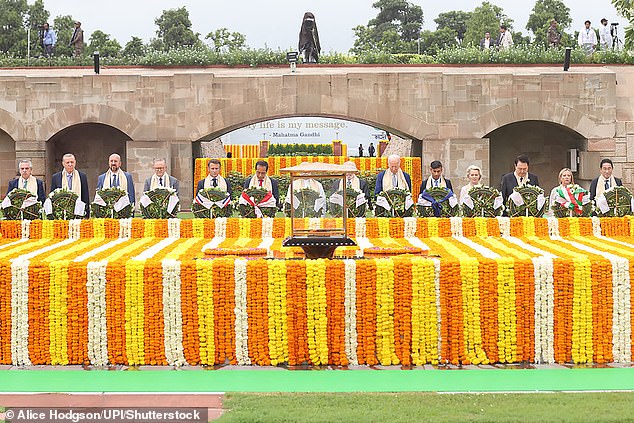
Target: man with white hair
column 115, row 177
column 27, row 181
column 393, row 177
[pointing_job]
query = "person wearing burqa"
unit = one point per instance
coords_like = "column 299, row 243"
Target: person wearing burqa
column 309, row 39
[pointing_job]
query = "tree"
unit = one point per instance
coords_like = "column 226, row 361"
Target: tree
column 543, row 12
column 395, row 29
column 101, row 42
column 64, row 28
column 175, row 29
column 455, row 20
column 134, row 47
column 625, row 8
column 486, row 18
column 36, row 17
column 431, row 42
column 13, row 17
column 223, row 40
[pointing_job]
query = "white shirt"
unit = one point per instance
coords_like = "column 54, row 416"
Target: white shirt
column 605, row 37
column 587, row 36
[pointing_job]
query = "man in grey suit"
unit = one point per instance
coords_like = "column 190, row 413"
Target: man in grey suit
column 160, row 177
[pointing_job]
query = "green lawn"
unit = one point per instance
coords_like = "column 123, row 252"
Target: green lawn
column 429, row 407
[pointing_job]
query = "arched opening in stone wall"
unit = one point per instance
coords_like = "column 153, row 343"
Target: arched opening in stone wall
column 8, row 165
column 91, row 143
column 545, row 143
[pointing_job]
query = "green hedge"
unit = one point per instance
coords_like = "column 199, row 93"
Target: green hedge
column 201, row 56
column 300, row 150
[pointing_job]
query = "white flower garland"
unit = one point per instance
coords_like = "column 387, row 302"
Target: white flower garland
column 483, row 251
column 267, row 227
column 350, row 305
column 456, row 226
column 74, row 229
column 242, row 318
column 97, row 328
column 155, row 249
column 172, row 313
column 87, row 255
column 20, row 313
column 173, row 228
column 25, row 226
column 621, row 311
column 409, row 227
column 596, row 226
column 530, row 248
column 314, row 223
column 553, row 227
column 125, row 228
column 362, row 244
column 359, row 227
column 417, row 242
column 544, row 310
column 438, row 313
column 505, row 225
column 220, row 227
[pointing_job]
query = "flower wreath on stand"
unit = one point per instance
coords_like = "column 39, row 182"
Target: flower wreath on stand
column 437, row 202
column 21, row 204
column 572, row 201
column 394, row 203
column 615, row 202
column 256, row 202
column 159, row 203
column 111, row 203
column 307, row 202
column 63, row 204
column 482, row 201
column 212, row 202
column 355, row 202
column 528, row 201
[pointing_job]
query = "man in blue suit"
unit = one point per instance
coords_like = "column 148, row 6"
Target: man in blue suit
column 72, row 180
column 116, row 178
column 262, row 180
column 28, row 181
column 393, row 176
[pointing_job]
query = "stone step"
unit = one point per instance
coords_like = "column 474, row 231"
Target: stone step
column 211, row 401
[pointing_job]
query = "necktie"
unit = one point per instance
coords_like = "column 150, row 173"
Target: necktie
column 521, row 180
column 394, row 181
column 260, row 180
column 349, row 184
column 114, row 181
column 435, row 182
column 214, row 182
column 69, row 178
column 24, row 185
column 161, row 181
column 607, row 184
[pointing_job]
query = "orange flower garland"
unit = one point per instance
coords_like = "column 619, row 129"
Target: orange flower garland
column 224, row 303
column 296, row 309
column 5, row 312
column 335, row 311
column 366, row 312
column 153, row 325
column 258, row 312
column 403, row 310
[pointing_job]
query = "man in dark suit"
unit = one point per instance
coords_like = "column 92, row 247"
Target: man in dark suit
column 604, row 181
column 115, row 177
column 72, row 180
column 435, row 179
column 393, row 176
column 519, row 178
column 262, row 180
column 214, row 179
column 28, row 181
column 487, row 43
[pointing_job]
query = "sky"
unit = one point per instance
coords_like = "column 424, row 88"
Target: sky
column 276, row 23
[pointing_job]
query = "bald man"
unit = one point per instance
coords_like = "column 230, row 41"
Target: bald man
column 115, row 177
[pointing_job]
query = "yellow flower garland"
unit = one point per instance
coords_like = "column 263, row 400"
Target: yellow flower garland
column 385, row 312
column 58, row 327
column 507, row 317
column 134, row 312
column 424, row 313
column 582, row 347
column 317, row 320
column 205, row 292
column 278, row 326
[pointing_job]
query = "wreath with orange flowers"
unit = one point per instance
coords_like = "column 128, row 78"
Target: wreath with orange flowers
column 389, row 251
column 247, row 251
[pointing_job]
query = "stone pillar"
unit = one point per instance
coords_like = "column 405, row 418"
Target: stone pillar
column 182, row 168
column 36, row 152
column 466, row 152
column 140, row 156
column 8, row 165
